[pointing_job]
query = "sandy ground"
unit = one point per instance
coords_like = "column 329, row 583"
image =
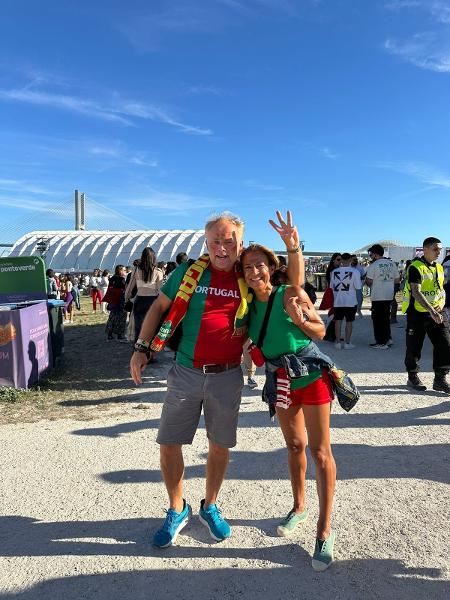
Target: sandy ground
column 80, row 500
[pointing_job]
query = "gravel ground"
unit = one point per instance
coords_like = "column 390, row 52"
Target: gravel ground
column 80, row 499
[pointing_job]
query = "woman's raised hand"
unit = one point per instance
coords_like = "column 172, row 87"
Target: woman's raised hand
column 286, row 230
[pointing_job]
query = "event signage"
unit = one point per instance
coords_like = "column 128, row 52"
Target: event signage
column 22, row 278
column 25, row 351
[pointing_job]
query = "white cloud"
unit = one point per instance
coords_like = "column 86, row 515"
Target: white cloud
column 154, row 113
column 21, row 186
column 265, row 187
column 173, row 203
column 118, row 151
column 70, row 103
column 24, row 203
column 118, row 112
column 204, row 90
column 103, row 151
column 438, row 9
column 146, row 29
column 141, row 161
column 429, row 49
column 424, row 50
column 327, row 153
column 421, row 171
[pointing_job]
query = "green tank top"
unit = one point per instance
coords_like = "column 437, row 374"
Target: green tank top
column 282, row 335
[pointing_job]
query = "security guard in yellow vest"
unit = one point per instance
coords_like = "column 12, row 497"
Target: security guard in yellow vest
column 423, row 303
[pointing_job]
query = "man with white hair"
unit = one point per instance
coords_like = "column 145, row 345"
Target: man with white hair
column 210, row 298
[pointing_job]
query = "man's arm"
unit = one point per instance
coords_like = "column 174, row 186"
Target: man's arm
column 420, row 299
column 369, row 276
column 153, row 317
column 151, row 322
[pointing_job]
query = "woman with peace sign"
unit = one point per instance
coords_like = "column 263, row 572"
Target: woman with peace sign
column 283, row 322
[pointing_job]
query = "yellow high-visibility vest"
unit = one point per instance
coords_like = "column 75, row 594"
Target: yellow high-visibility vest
column 431, row 286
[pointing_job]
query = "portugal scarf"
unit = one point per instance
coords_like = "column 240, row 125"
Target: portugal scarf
column 180, row 304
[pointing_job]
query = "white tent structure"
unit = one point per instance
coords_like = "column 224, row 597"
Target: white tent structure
column 398, row 251
column 83, row 251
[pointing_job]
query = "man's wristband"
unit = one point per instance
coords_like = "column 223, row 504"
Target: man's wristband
column 141, row 346
column 293, row 250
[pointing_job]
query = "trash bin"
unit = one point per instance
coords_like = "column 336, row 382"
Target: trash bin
column 24, row 344
column 56, row 330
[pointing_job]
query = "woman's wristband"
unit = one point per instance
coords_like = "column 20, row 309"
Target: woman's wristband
column 295, row 250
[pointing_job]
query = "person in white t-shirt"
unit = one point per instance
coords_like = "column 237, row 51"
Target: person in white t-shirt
column 345, row 281
column 381, row 276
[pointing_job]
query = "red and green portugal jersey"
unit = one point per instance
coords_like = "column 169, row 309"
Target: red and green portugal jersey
column 209, row 322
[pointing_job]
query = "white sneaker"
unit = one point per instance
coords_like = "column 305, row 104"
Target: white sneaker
column 337, row 345
column 380, row 347
column 349, row 346
column 389, row 343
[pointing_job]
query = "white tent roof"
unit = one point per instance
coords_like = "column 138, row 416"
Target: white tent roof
column 87, row 250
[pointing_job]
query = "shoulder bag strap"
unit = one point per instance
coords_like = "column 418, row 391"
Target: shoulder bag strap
column 262, row 333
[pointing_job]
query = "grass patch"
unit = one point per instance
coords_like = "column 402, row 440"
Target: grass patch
column 93, row 376
column 11, row 394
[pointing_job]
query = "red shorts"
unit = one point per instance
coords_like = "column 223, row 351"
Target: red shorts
column 317, row 392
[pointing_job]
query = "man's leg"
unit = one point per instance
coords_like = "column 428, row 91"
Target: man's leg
column 385, row 329
column 172, row 469
column 440, row 338
column 415, row 335
column 222, row 398
column 393, row 310
column 179, row 420
column 348, row 331
column 337, row 331
column 216, row 467
column 376, row 321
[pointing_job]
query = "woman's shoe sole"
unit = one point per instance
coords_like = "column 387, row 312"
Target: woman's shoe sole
column 320, row 566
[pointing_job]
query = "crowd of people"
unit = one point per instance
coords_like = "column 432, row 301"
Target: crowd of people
column 111, row 293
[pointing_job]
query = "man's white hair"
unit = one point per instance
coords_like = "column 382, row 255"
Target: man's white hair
column 226, row 216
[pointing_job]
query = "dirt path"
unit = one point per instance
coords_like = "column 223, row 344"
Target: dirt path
column 80, row 500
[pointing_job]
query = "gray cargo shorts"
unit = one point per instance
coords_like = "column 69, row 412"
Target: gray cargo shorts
column 190, row 389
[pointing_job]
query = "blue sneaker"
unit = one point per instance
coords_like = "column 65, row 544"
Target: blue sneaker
column 212, row 518
column 174, row 523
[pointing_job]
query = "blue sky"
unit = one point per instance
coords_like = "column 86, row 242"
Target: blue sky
column 167, row 111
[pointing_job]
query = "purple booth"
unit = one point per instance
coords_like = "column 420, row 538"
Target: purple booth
column 25, row 349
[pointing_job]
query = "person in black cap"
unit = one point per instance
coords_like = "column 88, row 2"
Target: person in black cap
column 381, row 276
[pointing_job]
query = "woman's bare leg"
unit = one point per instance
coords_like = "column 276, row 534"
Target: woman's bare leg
column 292, row 425
column 317, row 420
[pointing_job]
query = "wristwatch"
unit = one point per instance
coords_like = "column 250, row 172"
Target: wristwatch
column 141, row 346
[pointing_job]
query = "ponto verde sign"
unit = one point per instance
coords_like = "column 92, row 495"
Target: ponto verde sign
column 22, row 278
